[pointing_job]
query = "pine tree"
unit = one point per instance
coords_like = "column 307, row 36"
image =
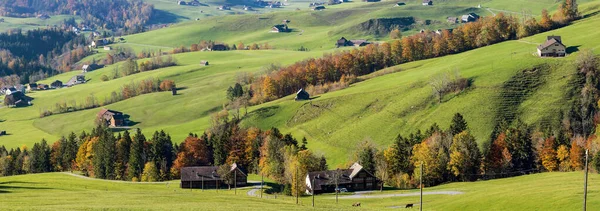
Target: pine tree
column 136, row 162
column 458, row 124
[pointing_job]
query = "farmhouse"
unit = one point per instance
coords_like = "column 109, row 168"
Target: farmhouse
column 56, row 84
column 180, row 2
column 75, row 80
column 17, row 99
column 341, row 42
column 111, row 118
column 353, row 179
column 553, row 47
column 107, row 48
column 219, row 47
column 89, row 68
column 224, row 8
column 32, row 86
column 204, row 63
column 10, row 90
column 43, row 87
column 427, row 2
column 208, row 177
column 280, row 28
column 471, row 17
column 302, row 95
column 400, row 4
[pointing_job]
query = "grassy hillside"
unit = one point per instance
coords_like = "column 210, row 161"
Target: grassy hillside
column 33, row 23
column 381, row 108
column 58, row 191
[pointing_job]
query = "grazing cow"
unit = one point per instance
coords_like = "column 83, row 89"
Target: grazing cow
column 409, row 206
column 357, row 204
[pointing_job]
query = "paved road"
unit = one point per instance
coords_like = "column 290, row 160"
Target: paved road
column 255, row 188
column 363, row 195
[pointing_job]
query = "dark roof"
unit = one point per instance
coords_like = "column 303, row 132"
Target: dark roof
column 551, row 41
column 359, row 42
column 342, row 41
column 114, row 114
column 209, row 173
column 555, row 37
column 324, row 178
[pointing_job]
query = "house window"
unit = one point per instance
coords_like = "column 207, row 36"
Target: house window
column 369, row 184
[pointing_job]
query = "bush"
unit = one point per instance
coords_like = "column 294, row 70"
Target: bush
column 104, row 78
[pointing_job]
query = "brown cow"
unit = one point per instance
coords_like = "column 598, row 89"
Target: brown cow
column 357, row 204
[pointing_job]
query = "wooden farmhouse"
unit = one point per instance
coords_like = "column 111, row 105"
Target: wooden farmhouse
column 56, row 84
column 203, row 63
column 111, row 118
column 427, row 2
column 201, row 177
column 553, row 47
column 355, row 178
column 302, row 95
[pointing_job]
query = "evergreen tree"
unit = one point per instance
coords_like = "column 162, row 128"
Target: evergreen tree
column 136, row 162
column 366, row 156
column 123, row 147
column 458, row 124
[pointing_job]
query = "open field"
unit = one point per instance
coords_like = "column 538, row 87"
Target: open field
column 59, row 191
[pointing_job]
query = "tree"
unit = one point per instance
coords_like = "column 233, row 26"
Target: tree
column 193, row 151
column 365, row 156
column 464, row 157
column 546, row 22
column 458, row 124
column 395, row 34
column 562, row 155
column 122, row 155
column 596, row 161
column 136, row 162
column 227, row 175
column 576, row 156
column 150, row 173
column 548, row 155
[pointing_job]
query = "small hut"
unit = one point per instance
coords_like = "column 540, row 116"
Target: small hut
column 204, row 63
column 302, row 95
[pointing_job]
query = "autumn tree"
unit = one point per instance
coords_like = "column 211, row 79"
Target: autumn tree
column 464, row 157
column 395, row 34
column 576, row 155
column 150, row 173
column 194, row 151
column 548, row 155
column 562, row 155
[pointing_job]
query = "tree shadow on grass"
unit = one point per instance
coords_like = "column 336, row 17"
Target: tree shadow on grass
column 7, row 189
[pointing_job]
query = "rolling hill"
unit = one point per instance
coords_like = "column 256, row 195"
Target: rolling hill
column 377, row 109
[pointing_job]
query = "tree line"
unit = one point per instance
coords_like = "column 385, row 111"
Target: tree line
column 357, row 62
column 123, row 15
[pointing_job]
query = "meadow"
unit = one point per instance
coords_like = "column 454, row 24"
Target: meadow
column 61, row 191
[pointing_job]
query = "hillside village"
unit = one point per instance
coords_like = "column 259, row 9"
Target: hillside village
column 340, row 105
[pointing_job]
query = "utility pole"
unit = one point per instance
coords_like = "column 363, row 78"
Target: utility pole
column 235, row 182
column 586, row 181
column 262, row 180
column 313, row 191
column 421, row 179
column 202, row 183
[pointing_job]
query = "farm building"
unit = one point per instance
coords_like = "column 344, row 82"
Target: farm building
column 89, row 68
column 56, row 84
column 224, row 8
column 32, row 86
column 17, row 99
column 208, row 177
column 204, row 63
column 280, row 28
column 43, row 87
column 107, row 48
column 371, row 0
column 400, row 4
column 302, row 95
column 471, row 17
column 355, row 178
column 181, row 3
column 219, row 47
column 427, row 2
column 10, row 90
column 342, row 42
column 78, row 79
column 553, row 47
column 111, row 118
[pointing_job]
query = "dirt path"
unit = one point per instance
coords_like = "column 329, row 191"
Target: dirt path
column 363, row 195
column 117, row 181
